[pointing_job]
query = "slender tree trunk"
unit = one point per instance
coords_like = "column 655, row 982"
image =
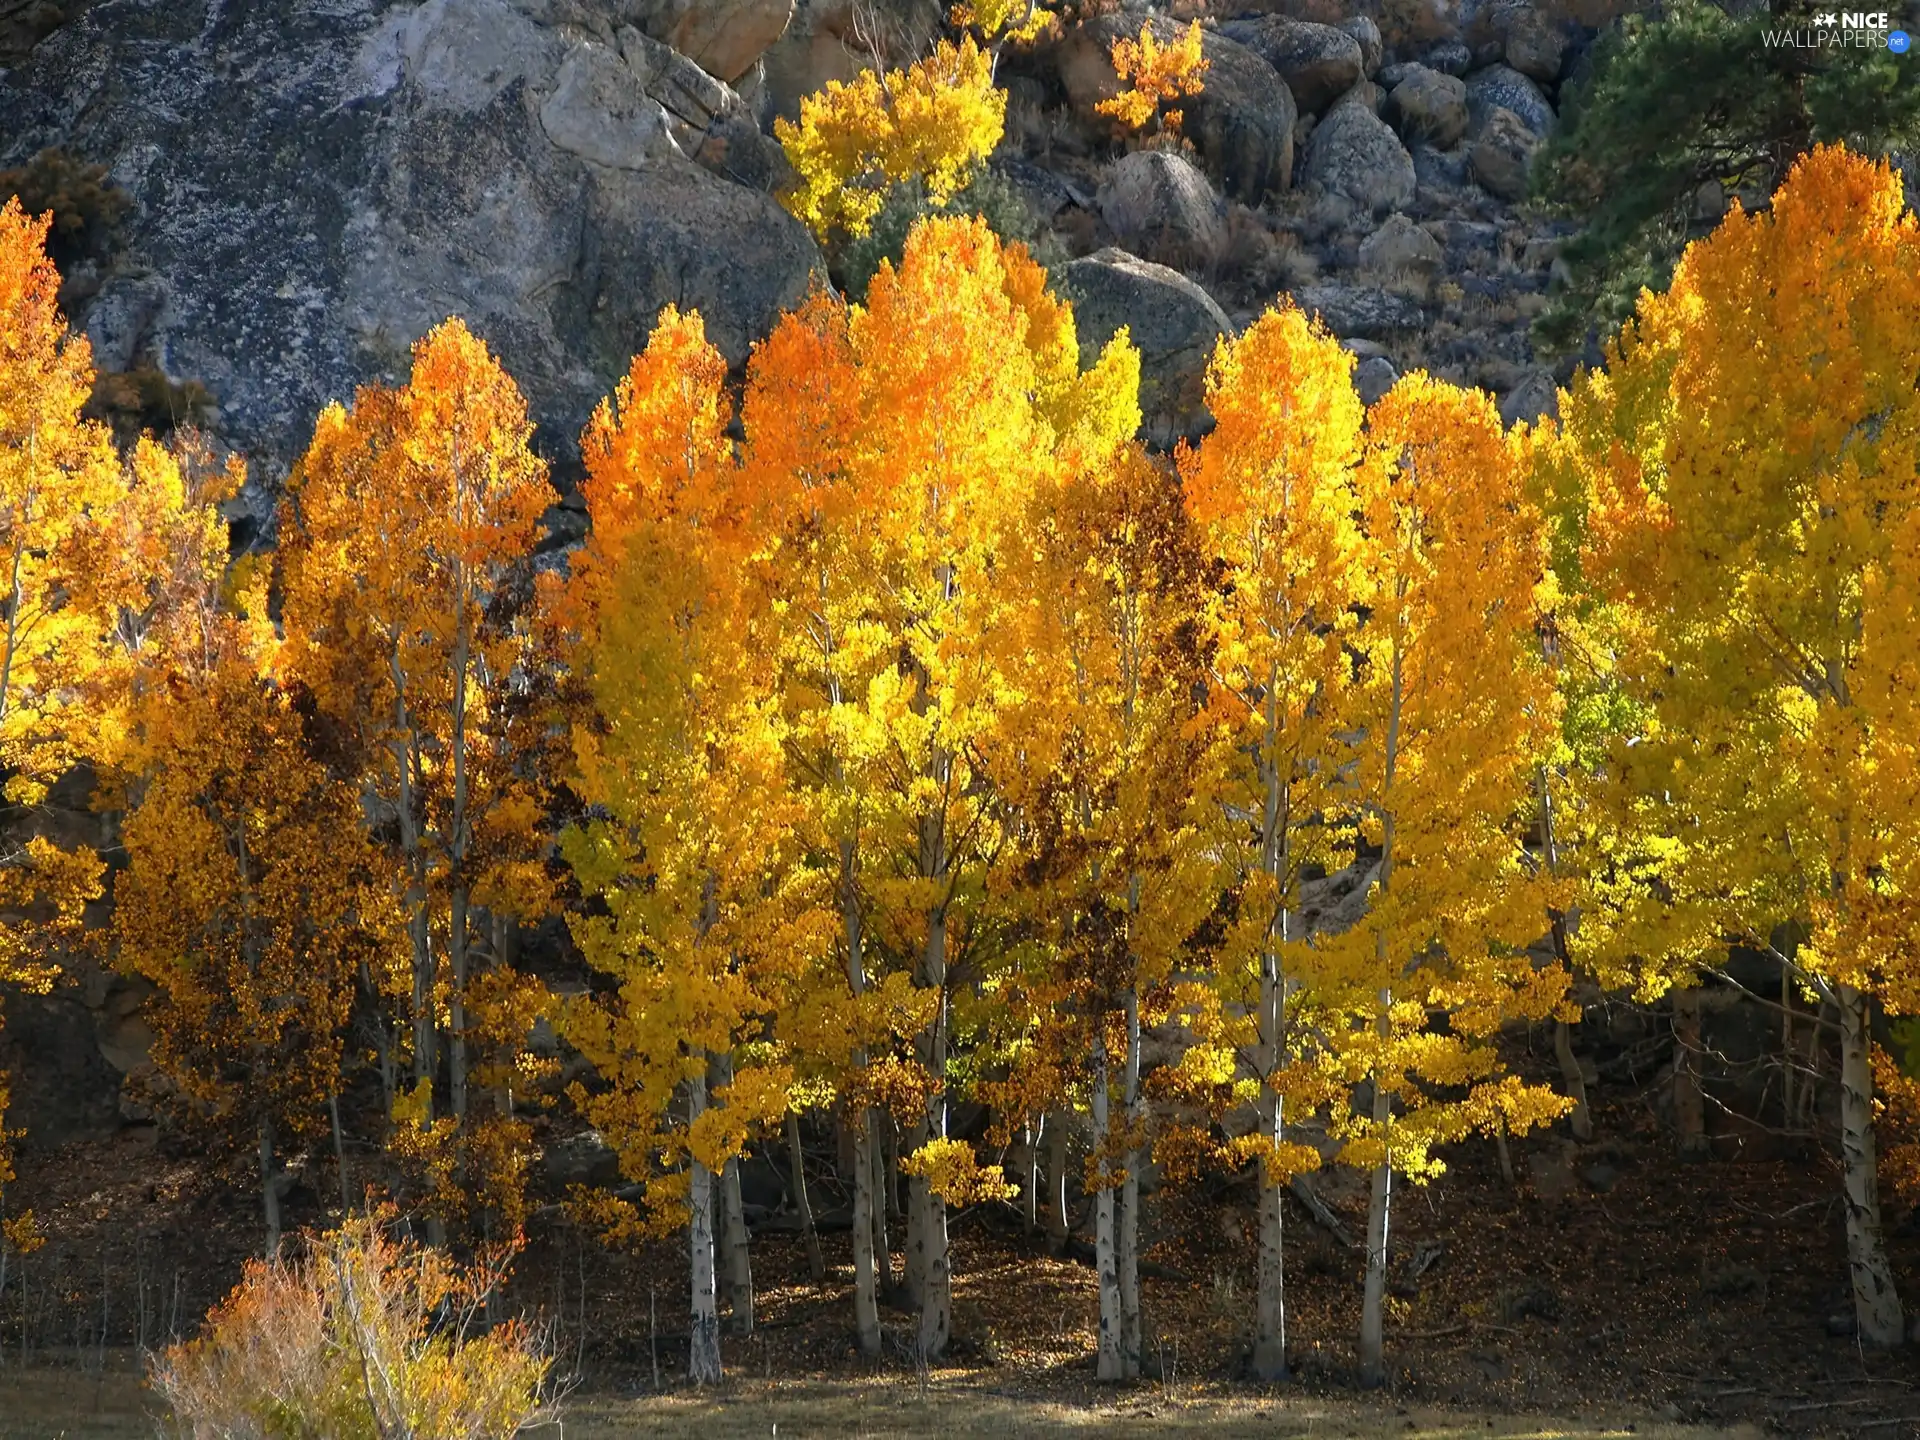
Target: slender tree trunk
column 1876, row 1301
column 1270, row 1292
column 739, row 1254
column 866, row 1293
column 1109, row 1362
column 1788, row 1059
column 928, row 1265
column 1030, row 1196
column 1131, row 1346
column 1059, row 1222
column 797, row 1158
column 1373, row 1366
column 703, row 1360
column 1689, row 1105
column 1575, row 1080
column 339, row 1152
column 457, row 957
column 1270, row 1304
column 269, row 1191
column 881, row 1153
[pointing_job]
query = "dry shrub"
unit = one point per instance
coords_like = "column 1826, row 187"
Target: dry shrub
column 87, row 207
column 144, row 400
column 1260, row 256
column 365, row 1338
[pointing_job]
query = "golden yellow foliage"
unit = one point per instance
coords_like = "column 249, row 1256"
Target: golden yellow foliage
column 1154, row 74
column 932, row 123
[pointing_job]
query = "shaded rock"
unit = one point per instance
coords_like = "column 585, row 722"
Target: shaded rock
column 1318, row 62
column 723, row 37
column 63, row 1088
column 1367, row 34
column 1242, row 123
column 1353, row 153
column 1159, row 205
column 1442, row 170
column 835, row 40
column 1354, row 310
column 1427, row 107
column 1600, row 1176
column 1374, row 377
column 1174, row 323
column 1535, row 46
column 1365, row 94
column 1532, row 398
column 1045, row 193
column 1449, row 57
column 1401, row 250
column 389, row 166
column 583, row 1159
column 1502, row 156
column 1498, row 87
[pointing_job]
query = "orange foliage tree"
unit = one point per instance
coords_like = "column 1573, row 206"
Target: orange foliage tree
column 406, row 569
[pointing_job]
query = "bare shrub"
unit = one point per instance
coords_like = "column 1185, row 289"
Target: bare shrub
column 364, row 1338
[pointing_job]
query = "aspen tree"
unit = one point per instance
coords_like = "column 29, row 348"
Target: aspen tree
column 1459, row 711
column 58, row 474
column 1096, row 763
column 1749, row 463
column 409, row 528
column 680, row 764
column 1272, row 493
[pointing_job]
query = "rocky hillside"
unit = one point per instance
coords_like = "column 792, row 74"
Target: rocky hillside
column 314, row 185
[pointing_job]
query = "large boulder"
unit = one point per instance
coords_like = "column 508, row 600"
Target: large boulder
column 1358, row 312
column 381, row 167
column 1502, row 156
column 1241, row 123
column 1353, row 153
column 726, row 38
column 1427, row 108
column 1173, row 322
column 1367, row 34
column 837, row 39
column 1157, row 204
column 1401, row 255
column 1535, row 46
column 1318, row 62
column 1500, row 87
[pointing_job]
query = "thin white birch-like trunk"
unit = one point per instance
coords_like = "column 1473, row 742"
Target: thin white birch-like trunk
column 1373, row 1367
column 803, row 1202
column 1108, row 1364
column 703, row 1359
column 866, row 1292
column 736, row 1250
column 1131, row 1345
column 1876, row 1300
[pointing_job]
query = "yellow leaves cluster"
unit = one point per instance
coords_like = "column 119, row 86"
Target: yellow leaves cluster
column 954, row 1173
column 1153, row 74
column 1003, row 21
column 931, row 124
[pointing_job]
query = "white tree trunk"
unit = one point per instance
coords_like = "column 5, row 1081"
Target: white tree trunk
column 739, row 1256
column 1575, row 1080
column 1131, row 1344
column 1373, row 1365
column 1109, row 1363
column 866, row 1294
column 703, row 1360
column 803, row 1202
column 1876, row 1302
column 1270, row 1299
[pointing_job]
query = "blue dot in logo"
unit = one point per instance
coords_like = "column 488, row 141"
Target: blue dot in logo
column 1899, row 42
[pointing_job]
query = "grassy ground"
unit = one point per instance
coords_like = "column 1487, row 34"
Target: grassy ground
column 109, row 1403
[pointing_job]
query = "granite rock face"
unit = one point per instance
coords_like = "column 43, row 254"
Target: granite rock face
column 317, row 185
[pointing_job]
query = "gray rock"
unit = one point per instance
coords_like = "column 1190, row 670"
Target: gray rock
column 1318, row 62
column 1353, row 153
column 723, row 37
column 1499, row 87
column 1427, row 108
column 1363, row 30
column 1364, row 93
column 1242, row 122
column 1350, row 311
column 1534, row 397
column 1374, row 377
column 318, row 185
column 1502, row 156
column 1441, row 170
column 583, row 1159
column 1157, row 204
column 830, row 40
column 1449, row 57
column 1535, row 46
column 1601, row 1176
column 1402, row 251
column 1174, row 323
column 600, row 111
